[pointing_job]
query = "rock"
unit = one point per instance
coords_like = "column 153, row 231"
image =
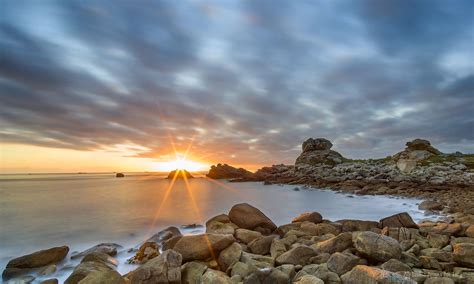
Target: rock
column 320, row 229
column 48, row 270
column 50, row 281
column 317, row 144
column 85, row 268
column 202, row 247
column 39, row 258
column 259, row 261
column 371, row 275
column 406, row 165
column 309, row 279
column 248, row 217
column 395, row 265
column 417, row 150
column 297, row 255
column 439, row 254
column 341, row 263
column 225, row 172
column 320, row 271
column 165, row 268
column 102, row 258
column 463, row 254
column 437, row 240
column 191, row 272
column 178, row 174
column 430, row 205
column 398, row 220
column 164, row 235
column 317, row 152
column 358, row 225
column 247, row 236
column 422, row 144
column 119, row 175
column 146, row 252
column 215, row 277
column 216, row 227
column 470, row 231
column 376, row 247
column 338, row 243
column 313, row 217
column 229, row 256
column 107, row 248
column 103, row 277
column 261, row 245
column 277, row 248
column 439, row 280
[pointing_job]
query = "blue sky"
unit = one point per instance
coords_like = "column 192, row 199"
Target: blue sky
column 247, row 80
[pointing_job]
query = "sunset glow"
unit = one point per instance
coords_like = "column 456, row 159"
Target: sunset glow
column 181, row 163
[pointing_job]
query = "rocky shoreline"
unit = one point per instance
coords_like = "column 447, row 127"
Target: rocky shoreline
column 245, row 246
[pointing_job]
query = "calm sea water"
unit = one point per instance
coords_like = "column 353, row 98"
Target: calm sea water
column 81, row 210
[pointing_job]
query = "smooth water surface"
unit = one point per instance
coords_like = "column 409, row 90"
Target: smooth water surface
column 80, row 210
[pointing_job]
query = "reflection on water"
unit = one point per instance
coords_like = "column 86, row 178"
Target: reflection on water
column 41, row 211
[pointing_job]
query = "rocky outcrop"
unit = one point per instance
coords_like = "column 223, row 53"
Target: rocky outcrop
column 318, row 152
column 224, row 171
column 416, row 150
column 179, row 174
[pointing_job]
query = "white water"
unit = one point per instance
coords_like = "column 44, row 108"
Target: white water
column 82, row 210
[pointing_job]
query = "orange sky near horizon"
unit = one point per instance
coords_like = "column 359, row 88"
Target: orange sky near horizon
column 18, row 158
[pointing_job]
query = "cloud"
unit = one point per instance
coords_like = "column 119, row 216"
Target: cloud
column 246, row 81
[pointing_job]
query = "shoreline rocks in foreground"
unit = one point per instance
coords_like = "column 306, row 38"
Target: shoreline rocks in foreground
column 245, row 246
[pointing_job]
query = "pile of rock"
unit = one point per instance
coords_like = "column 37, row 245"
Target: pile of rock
column 245, row 246
column 224, row 171
column 416, row 151
column 318, row 152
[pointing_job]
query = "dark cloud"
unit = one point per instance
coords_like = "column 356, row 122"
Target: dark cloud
column 247, row 81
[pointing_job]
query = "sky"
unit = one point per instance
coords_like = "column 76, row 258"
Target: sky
column 124, row 85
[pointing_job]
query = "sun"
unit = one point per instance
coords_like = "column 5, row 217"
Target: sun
column 181, row 163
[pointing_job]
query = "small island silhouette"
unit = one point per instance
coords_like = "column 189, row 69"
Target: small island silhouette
column 181, row 173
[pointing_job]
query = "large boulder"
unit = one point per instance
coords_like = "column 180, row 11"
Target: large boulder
column 341, row 263
column 317, row 151
column 224, row 171
column 376, row 247
column 338, row 243
column 229, row 256
column 163, row 269
column 202, row 247
column 39, row 258
column 96, row 262
column 372, row 275
column 463, row 254
column 314, row 217
column 398, row 220
column 103, row 277
column 107, row 248
column 248, row 217
column 297, row 255
column 191, row 272
column 415, row 151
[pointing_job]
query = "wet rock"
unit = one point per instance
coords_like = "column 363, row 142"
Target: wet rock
column 107, row 248
column 48, row 270
column 398, row 220
column 224, row 171
column 202, row 247
column 338, row 243
column 341, row 263
column 313, row 217
column 297, row 255
column 463, row 254
column 146, row 252
column 163, row 269
column 229, row 256
column 377, row 247
column 248, row 217
column 39, row 258
column 191, row 272
column 372, row 275
column 430, row 205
